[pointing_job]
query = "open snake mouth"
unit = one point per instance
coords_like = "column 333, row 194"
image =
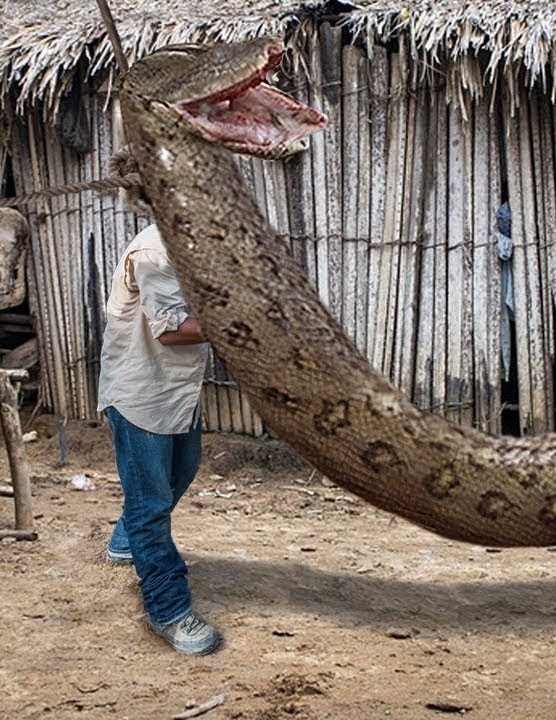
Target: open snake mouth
column 253, row 117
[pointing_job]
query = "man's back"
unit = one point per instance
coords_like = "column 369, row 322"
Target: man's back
column 154, row 386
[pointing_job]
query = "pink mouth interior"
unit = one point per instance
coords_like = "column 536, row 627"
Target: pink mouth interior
column 252, row 117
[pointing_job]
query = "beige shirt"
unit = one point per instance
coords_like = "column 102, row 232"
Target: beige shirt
column 154, row 386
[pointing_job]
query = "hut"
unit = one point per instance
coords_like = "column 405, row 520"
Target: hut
column 424, row 216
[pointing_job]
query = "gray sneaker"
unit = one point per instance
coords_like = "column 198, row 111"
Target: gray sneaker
column 119, row 558
column 190, row 635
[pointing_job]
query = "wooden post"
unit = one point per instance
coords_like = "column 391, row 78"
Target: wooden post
column 113, row 35
column 17, row 455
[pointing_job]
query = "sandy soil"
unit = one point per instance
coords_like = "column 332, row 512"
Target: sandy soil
column 330, row 609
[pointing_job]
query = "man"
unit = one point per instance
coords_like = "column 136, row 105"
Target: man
column 152, row 367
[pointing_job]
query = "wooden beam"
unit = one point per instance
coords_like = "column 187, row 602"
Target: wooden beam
column 113, row 35
column 19, row 534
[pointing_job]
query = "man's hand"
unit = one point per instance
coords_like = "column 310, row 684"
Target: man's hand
column 188, row 333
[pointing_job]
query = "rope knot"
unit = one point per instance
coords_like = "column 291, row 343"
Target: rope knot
column 122, row 163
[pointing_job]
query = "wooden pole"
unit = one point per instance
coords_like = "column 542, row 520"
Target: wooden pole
column 17, row 455
column 113, row 35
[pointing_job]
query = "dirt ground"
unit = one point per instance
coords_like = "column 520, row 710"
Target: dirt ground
column 330, row 609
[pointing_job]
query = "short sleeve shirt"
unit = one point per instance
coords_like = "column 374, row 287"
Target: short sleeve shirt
column 154, row 386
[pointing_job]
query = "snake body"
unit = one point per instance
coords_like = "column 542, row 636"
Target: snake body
column 304, row 377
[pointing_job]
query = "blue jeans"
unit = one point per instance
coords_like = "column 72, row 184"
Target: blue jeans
column 155, row 470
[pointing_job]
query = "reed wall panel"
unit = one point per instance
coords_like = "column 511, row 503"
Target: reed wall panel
column 392, row 215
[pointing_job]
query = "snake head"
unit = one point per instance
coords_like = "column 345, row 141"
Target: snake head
column 221, row 96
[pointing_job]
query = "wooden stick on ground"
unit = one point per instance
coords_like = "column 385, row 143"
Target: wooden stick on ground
column 202, row 708
column 19, row 534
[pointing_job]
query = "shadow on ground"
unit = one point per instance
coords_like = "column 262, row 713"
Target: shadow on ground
column 353, row 600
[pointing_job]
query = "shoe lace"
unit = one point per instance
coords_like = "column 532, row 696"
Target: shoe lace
column 192, row 623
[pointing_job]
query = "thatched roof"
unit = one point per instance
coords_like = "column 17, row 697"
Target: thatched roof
column 42, row 43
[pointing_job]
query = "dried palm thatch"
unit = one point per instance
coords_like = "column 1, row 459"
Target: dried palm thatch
column 41, row 44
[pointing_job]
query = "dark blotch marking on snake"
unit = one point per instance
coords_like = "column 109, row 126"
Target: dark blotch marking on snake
column 298, row 359
column 333, row 417
column 276, row 313
column 270, row 265
column 529, row 480
column 181, row 224
column 494, row 505
column 442, row 484
column 281, row 398
column 380, row 455
column 241, row 335
column 547, row 514
column 214, row 296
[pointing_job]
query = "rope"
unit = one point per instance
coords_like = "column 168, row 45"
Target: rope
column 123, row 174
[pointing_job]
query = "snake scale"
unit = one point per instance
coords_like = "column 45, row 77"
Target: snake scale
column 183, row 113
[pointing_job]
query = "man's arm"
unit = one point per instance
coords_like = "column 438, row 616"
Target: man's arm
column 188, row 333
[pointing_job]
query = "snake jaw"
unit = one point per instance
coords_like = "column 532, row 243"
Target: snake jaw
column 258, row 120
column 224, row 101
column 253, row 117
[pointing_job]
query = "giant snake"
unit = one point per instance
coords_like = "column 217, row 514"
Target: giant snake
column 184, row 112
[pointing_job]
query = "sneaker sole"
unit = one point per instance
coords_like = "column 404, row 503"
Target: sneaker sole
column 115, row 560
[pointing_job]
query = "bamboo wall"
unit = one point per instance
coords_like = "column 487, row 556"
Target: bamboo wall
column 392, row 214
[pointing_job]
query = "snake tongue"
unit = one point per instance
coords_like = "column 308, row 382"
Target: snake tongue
column 257, row 120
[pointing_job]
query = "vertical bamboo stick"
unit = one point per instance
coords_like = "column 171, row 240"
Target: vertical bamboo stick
column 69, row 267
column 95, row 302
column 441, row 260
column 459, row 344
column 424, row 343
column 549, row 172
column 209, row 399
column 494, row 329
column 363, row 204
column 331, row 77
column 318, row 157
column 351, row 185
column 223, row 397
column 236, row 410
column 541, row 376
column 482, row 246
column 401, row 278
column 389, row 258
column 544, row 187
column 514, row 156
column 52, row 310
column 118, row 141
column 299, row 171
column 78, row 279
column 410, row 252
column 55, row 225
column 105, row 275
column 106, row 200
column 379, row 92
